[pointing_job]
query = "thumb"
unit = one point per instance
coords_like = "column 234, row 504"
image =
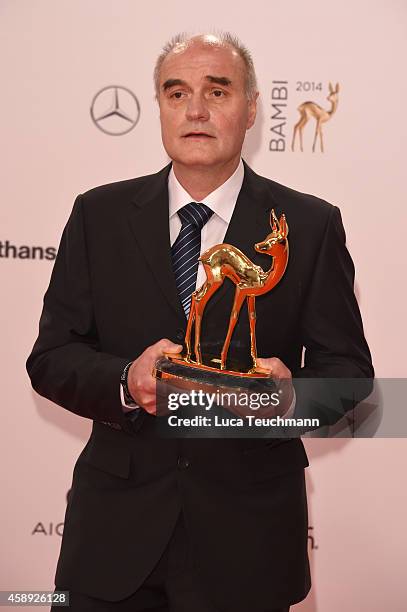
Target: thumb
column 171, row 347
column 165, row 343
column 264, row 364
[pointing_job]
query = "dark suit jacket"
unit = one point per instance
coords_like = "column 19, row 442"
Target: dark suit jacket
column 112, row 294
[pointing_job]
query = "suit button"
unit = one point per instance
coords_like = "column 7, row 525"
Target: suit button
column 180, row 335
column 183, row 463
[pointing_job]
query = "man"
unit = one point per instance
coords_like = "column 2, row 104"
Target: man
column 200, row 525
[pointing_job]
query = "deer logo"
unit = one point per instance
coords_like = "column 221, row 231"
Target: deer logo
column 226, row 261
column 321, row 116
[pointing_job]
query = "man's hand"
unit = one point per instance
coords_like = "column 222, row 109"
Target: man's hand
column 281, row 375
column 279, row 371
column 140, row 381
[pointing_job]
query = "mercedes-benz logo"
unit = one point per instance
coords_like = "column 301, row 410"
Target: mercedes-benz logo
column 113, row 116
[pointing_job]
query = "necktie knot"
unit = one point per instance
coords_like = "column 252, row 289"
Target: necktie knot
column 195, row 214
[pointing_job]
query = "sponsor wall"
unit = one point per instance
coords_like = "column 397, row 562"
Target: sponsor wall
column 78, row 110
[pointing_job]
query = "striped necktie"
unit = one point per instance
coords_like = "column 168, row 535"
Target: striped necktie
column 186, row 250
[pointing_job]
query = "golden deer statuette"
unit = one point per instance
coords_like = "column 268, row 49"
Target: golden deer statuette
column 226, row 261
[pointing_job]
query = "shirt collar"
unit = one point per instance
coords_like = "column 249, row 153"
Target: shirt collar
column 222, row 201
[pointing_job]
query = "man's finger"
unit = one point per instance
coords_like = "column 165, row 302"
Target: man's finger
column 268, row 363
column 275, row 366
column 165, row 343
column 174, row 348
column 165, row 346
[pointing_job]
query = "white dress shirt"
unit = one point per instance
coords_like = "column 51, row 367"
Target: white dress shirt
column 222, row 201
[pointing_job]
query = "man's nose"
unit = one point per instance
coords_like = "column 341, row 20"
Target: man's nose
column 197, row 109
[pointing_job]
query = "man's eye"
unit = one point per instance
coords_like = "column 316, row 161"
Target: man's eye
column 218, row 93
column 177, row 95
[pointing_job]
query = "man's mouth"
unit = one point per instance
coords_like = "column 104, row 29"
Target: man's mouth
column 197, row 135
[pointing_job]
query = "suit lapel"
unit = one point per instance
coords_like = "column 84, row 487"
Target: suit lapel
column 149, row 219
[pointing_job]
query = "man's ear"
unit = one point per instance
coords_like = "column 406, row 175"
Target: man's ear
column 252, row 111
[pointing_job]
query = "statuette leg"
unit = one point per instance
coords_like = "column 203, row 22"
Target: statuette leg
column 237, row 305
column 251, row 306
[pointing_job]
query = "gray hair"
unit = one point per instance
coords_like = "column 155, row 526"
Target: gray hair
column 183, row 39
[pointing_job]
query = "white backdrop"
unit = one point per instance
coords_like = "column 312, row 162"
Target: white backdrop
column 55, row 57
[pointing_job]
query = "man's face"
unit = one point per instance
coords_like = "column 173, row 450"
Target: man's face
column 204, row 110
